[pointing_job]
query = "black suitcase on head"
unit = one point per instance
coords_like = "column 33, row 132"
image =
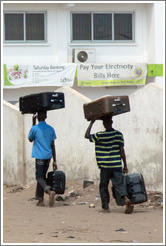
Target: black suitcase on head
column 135, row 187
column 57, row 180
column 44, row 101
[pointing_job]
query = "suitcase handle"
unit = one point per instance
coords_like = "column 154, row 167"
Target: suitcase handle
column 117, row 99
column 54, row 100
column 118, row 104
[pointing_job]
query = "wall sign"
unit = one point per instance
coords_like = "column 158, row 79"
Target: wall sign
column 88, row 74
column 111, row 74
column 39, row 75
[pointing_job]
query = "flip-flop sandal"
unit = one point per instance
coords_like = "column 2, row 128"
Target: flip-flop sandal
column 129, row 210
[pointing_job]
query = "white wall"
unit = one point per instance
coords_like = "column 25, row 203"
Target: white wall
column 43, row 53
column 13, row 145
column 143, row 133
column 116, row 52
column 58, row 47
column 147, row 48
column 142, row 128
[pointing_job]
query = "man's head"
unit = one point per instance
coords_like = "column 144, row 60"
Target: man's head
column 107, row 122
column 42, row 115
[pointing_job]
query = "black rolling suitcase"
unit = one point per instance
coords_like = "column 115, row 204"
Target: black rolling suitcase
column 57, row 180
column 135, row 187
column 107, row 105
column 44, row 101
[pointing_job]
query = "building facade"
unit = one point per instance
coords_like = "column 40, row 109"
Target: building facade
column 109, row 32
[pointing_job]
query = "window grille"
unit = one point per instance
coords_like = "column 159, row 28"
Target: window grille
column 24, row 27
column 103, row 27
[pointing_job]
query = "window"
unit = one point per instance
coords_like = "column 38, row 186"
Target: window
column 81, row 27
column 123, row 27
column 24, row 27
column 112, row 27
column 102, row 25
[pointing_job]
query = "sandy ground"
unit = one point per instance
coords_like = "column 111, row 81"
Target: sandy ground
column 72, row 221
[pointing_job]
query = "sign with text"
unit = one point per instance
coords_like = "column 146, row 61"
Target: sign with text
column 39, row 75
column 111, row 74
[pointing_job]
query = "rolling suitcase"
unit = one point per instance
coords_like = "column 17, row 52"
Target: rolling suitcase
column 57, row 181
column 135, row 186
column 107, row 105
column 45, row 101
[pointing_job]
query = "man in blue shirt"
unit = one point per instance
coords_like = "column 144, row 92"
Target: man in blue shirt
column 109, row 149
column 43, row 136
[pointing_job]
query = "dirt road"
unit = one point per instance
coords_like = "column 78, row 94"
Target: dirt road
column 71, row 220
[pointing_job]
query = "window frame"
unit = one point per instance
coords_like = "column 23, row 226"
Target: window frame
column 92, row 41
column 24, row 27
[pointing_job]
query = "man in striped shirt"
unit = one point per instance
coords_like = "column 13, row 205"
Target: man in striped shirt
column 109, row 148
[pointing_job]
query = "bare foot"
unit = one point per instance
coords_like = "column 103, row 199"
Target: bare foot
column 105, row 211
column 105, row 208
column 51, row 198
column 129, row 207
column 40, row 204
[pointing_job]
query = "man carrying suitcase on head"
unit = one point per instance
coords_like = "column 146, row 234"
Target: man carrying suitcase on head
column 43, row 136
column 109, row 152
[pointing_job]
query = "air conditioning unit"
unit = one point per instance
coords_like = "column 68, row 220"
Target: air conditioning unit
column 84, row 55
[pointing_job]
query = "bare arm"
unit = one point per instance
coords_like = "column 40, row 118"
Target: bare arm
column 123, row 156
column 87, row 133
column 34, row 119
column 33, row 123
column 54, row 156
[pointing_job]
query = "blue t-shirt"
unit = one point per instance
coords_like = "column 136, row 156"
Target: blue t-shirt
column 43, row 135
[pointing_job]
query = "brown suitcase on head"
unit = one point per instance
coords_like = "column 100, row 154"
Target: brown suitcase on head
column 107, row 105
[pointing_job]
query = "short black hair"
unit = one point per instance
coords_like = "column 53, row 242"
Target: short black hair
column 107, row 122
column 107, row 119
column 42, row 115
